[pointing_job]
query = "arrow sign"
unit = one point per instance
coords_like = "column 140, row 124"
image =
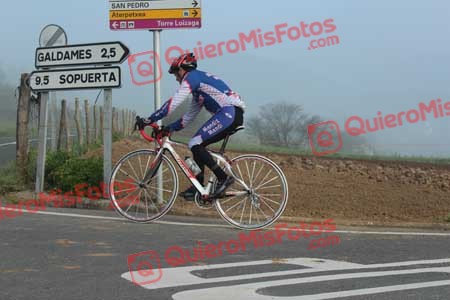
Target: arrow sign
column 70, row 79
column 195, row 13
column 82, row 54
column 134, row 5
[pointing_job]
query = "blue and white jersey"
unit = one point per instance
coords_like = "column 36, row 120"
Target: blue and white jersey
column 207, row 91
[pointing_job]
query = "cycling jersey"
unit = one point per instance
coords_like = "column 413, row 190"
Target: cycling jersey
column 207, row 91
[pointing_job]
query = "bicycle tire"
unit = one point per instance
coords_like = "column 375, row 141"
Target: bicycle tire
column 135, row 183
column 253, row 198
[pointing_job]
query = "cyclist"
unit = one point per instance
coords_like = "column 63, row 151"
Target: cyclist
column 210, row 92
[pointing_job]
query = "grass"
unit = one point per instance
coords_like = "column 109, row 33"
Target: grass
column 448, row 218
column 9, row 180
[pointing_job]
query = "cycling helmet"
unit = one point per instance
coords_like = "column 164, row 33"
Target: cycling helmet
column 186, row 61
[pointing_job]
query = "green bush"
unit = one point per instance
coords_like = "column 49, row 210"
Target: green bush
column 9, row 181
column 77, row 171
column 64, row 170
column 53, row 162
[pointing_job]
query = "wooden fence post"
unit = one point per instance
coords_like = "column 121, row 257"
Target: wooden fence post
column 22, row 126
column 101, row 123
column 78, row 122
column 124, row 122
column 95, row 125
column 62, row 124
column 86, row 110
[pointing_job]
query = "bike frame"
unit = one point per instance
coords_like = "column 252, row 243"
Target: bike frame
column 165, row 144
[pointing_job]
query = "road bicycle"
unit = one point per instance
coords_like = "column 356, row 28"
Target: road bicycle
column 144, row 184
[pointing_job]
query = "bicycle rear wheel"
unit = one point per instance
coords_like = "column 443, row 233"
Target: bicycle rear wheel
column 264, row 199
column 141, row 201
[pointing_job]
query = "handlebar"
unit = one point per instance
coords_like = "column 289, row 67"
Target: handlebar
column 156, row 133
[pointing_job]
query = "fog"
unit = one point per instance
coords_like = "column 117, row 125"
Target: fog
column 391, row 56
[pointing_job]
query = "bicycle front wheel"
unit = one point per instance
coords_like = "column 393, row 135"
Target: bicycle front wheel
column 262, row 201
column 142, row 187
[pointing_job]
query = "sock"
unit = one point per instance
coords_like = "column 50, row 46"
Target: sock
column 202, row 158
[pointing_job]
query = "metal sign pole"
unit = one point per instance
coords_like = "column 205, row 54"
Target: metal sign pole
column 40, row 170
column 157, row 88
column 107, row 135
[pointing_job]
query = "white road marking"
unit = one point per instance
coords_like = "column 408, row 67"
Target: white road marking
column 249, row 291
column 227, row 226
column 182, row 276
column 32, row 140
column 7, row 144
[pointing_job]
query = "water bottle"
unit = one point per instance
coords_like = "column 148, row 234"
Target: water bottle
column 192, row 165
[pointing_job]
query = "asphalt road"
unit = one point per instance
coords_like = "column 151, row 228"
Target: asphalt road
column 7, row 150
column 81, row 254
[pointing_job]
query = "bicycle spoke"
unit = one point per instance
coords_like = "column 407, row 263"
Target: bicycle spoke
column 270, row 195
column 256, row 214
column 137, row 204
column 267, row 182
column 268, row 199
column 135, row 174
column 140, row 165
column 234, row 205
column 132, row 203
column 268, row 205
column 228, row 200
column 269, row 187
column 128, row 194
column 240, row 173
column 242, row 214
column 130, row 189
column 146, row 166
column 253, row 170
column 248, row 172
column 128, row 175
column 263, row 213
column 264, row 178
column 127, row 182
column 154, row 205
column 250, row 218
column 259, row 172
column 146, row 202
column 237, row 210
column 160, row 189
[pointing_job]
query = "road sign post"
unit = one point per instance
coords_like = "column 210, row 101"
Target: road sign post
column 42, row 144
column 107, row 136
column 157, row 91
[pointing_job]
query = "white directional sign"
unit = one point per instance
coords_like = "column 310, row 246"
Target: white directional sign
column 93, row 78
column 83, row 54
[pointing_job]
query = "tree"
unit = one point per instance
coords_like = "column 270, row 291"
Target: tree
column 281, row 124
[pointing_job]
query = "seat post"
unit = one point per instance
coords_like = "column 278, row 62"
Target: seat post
column 224, row 145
